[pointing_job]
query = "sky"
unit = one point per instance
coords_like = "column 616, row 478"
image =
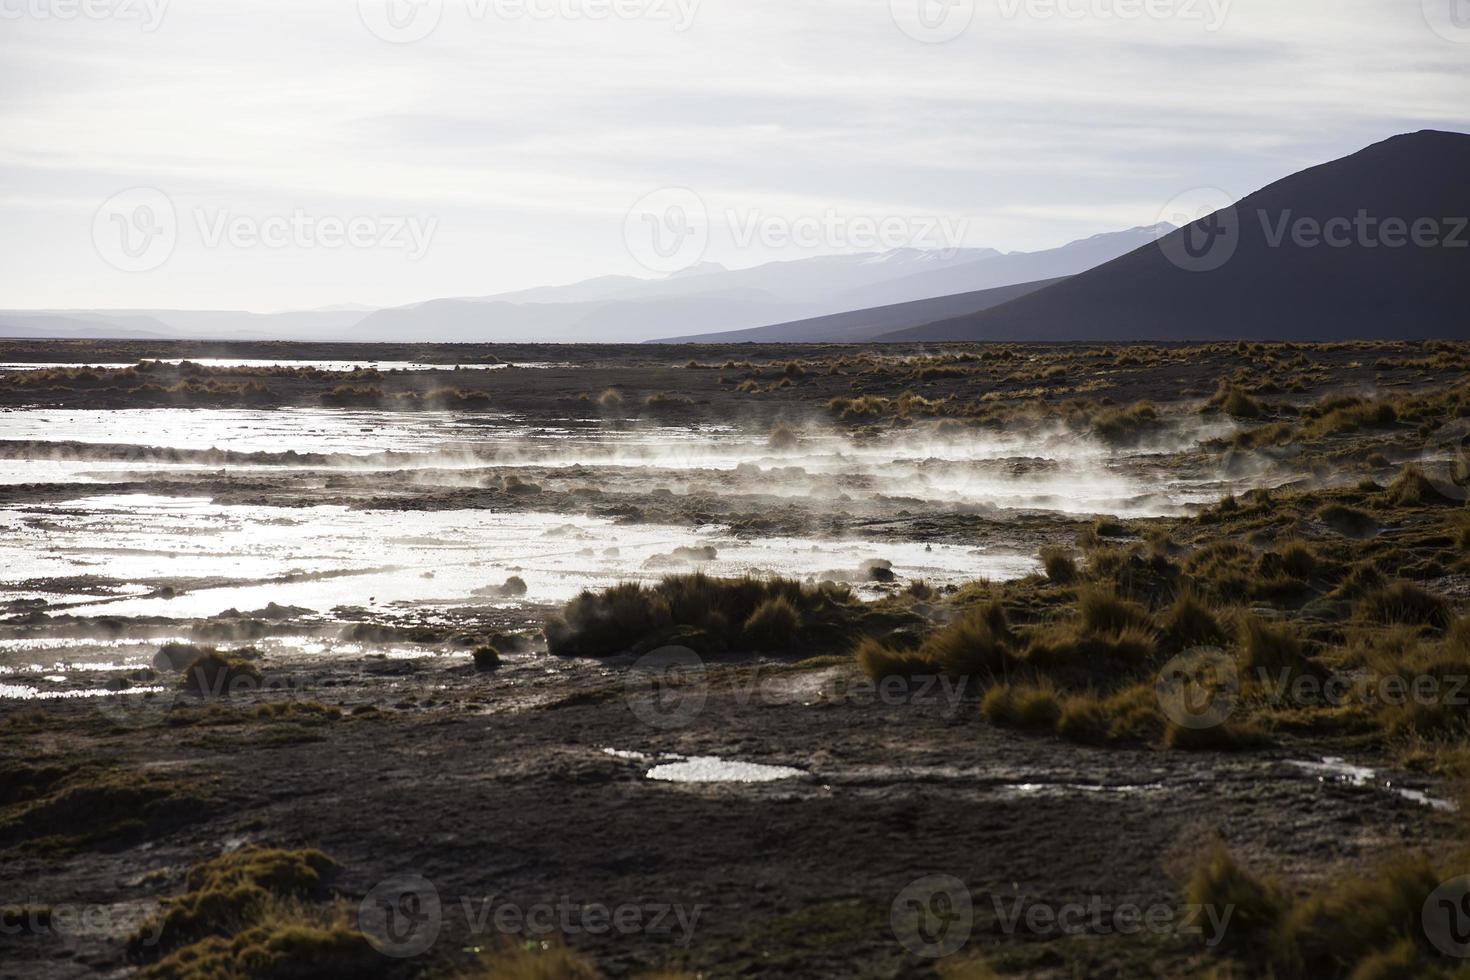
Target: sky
column 270, row 155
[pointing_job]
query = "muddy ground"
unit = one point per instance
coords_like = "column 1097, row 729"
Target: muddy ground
column 527, row 786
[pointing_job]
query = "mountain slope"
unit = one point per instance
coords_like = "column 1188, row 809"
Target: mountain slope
column 1006, row 270
column 863, row 325
column 1275, row 286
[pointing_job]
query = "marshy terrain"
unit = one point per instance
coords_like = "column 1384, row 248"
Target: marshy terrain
column 518, row 661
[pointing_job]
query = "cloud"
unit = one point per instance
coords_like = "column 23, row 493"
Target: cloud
column 529, row 138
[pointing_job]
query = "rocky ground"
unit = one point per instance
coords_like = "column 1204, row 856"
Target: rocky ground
column 516, row 797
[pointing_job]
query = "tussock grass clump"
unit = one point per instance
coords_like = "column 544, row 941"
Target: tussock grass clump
column 1298, row 559
column 59, row 813
column 1228, row 736
column 177, row 656
column 1404, row 603
column 1104, row 611
column 1348, row 521
column 977, row 644
column 772, row 626
column 1059, row 565
column 1340, row 415
column 1332, row 930
column 1361, row 580
column 1411, row 488
column 231, row 892
column 345, row 395
column 1361, row 927
column 217, row 674
column 611, row 399
column 704, row 613
column 512, row 588
column 862, row 407
column 1224, row 566
column 541, row 961
column 487, row 658
column 288, row 943
column 1029, row 707
column 598, row 624
column 533, row 963
column 1272, row 649
column 1127, row 715
column 1217, row 880
column 879, row 661
column 1189, row 622
column 1123, row 426
column 783, row 436
column 1236, row 403
column 1065, row 647
column 257, row 912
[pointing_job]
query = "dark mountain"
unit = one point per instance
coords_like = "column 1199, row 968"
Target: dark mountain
column 1011, row 269
column 864, row 325
column 1325, row 254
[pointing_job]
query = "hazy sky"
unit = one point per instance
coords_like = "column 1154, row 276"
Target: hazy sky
column 264, row 154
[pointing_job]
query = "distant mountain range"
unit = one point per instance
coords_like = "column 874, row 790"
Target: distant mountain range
column 618, row 309
column 1374, row 245
column 860, row 326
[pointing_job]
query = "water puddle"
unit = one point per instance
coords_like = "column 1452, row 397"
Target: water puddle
column 1054, row 472
column 1069, row 789
column 704, row 768
column 245, row 362
column 709, row 769
column 325, row 557
column 1333, row 769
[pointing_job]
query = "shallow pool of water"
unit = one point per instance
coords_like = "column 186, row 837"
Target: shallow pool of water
column 323, row 557
column 709, row 769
